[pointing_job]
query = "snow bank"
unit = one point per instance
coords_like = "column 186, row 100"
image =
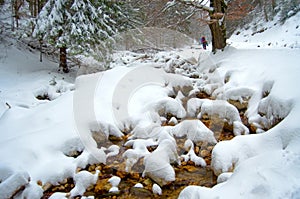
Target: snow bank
column 261, row 163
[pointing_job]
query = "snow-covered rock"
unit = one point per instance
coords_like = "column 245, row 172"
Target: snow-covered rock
column 13, row 183
column 139, row 149
column 33, row 191
column 195, row 130
column 199, row 161
column 221, row 108
column 83, row 180
column 156, row 189
column 157, row 164
column 114, row 181
column 223, row 177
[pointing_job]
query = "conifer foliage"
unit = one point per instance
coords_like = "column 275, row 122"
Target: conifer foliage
column 76, row 26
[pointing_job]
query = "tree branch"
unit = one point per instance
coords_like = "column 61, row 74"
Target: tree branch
column 196, row 4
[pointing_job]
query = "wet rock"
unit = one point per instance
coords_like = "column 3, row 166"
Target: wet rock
column 239, row 105
column 204, row 153
column 102, row 186
column 47, row 186
column 140, row 192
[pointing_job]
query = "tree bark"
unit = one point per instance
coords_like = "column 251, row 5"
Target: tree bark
column 217, row 24
column 63, row 59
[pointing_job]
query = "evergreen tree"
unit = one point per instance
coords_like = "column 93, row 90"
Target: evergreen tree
column 76, row 25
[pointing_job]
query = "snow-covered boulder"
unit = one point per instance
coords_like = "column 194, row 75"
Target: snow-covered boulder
column 139, row 149
column 157, row 164
column 194, row 106
column 227, row 155
column 169, row 105
column 195, row 130
column 221, row 108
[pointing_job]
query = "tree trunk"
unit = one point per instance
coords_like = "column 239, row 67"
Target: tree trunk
column 63, row 59
column 217, row 24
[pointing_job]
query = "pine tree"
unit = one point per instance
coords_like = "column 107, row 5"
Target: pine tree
column 77, row 25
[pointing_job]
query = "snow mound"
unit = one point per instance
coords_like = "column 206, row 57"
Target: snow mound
column 83, row 180
column 157, row 164
column 169, row 105
column 195, row 130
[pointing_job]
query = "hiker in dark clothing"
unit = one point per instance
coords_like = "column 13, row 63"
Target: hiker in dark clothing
column 203, row 42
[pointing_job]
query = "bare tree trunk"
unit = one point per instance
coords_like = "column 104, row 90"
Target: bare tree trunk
column 63, row 59
column 217, row 24
column 12, row 15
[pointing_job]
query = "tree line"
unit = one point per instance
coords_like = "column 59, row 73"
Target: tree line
column 81, row 26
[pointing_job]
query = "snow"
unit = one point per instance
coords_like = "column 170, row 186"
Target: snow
column 156, row 189
column 195, row 130
column 199, row 161
column 83, row 180
column 261, row 163
column 38, row 137
column 114, row 181
column 139, row 185
column 157, row 164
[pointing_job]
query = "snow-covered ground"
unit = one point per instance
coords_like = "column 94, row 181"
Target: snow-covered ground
column 37, row 136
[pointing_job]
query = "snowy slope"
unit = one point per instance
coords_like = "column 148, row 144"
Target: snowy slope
column 265, row 165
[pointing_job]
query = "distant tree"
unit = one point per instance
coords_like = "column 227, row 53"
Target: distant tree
column 216, row 10
column 35, row 6
column 15, row 8
column 152, row 13
column 76, row 26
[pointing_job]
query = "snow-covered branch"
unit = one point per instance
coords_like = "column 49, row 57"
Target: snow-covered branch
column 202, row 4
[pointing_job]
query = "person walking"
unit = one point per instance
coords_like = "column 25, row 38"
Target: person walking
column 203, row 42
